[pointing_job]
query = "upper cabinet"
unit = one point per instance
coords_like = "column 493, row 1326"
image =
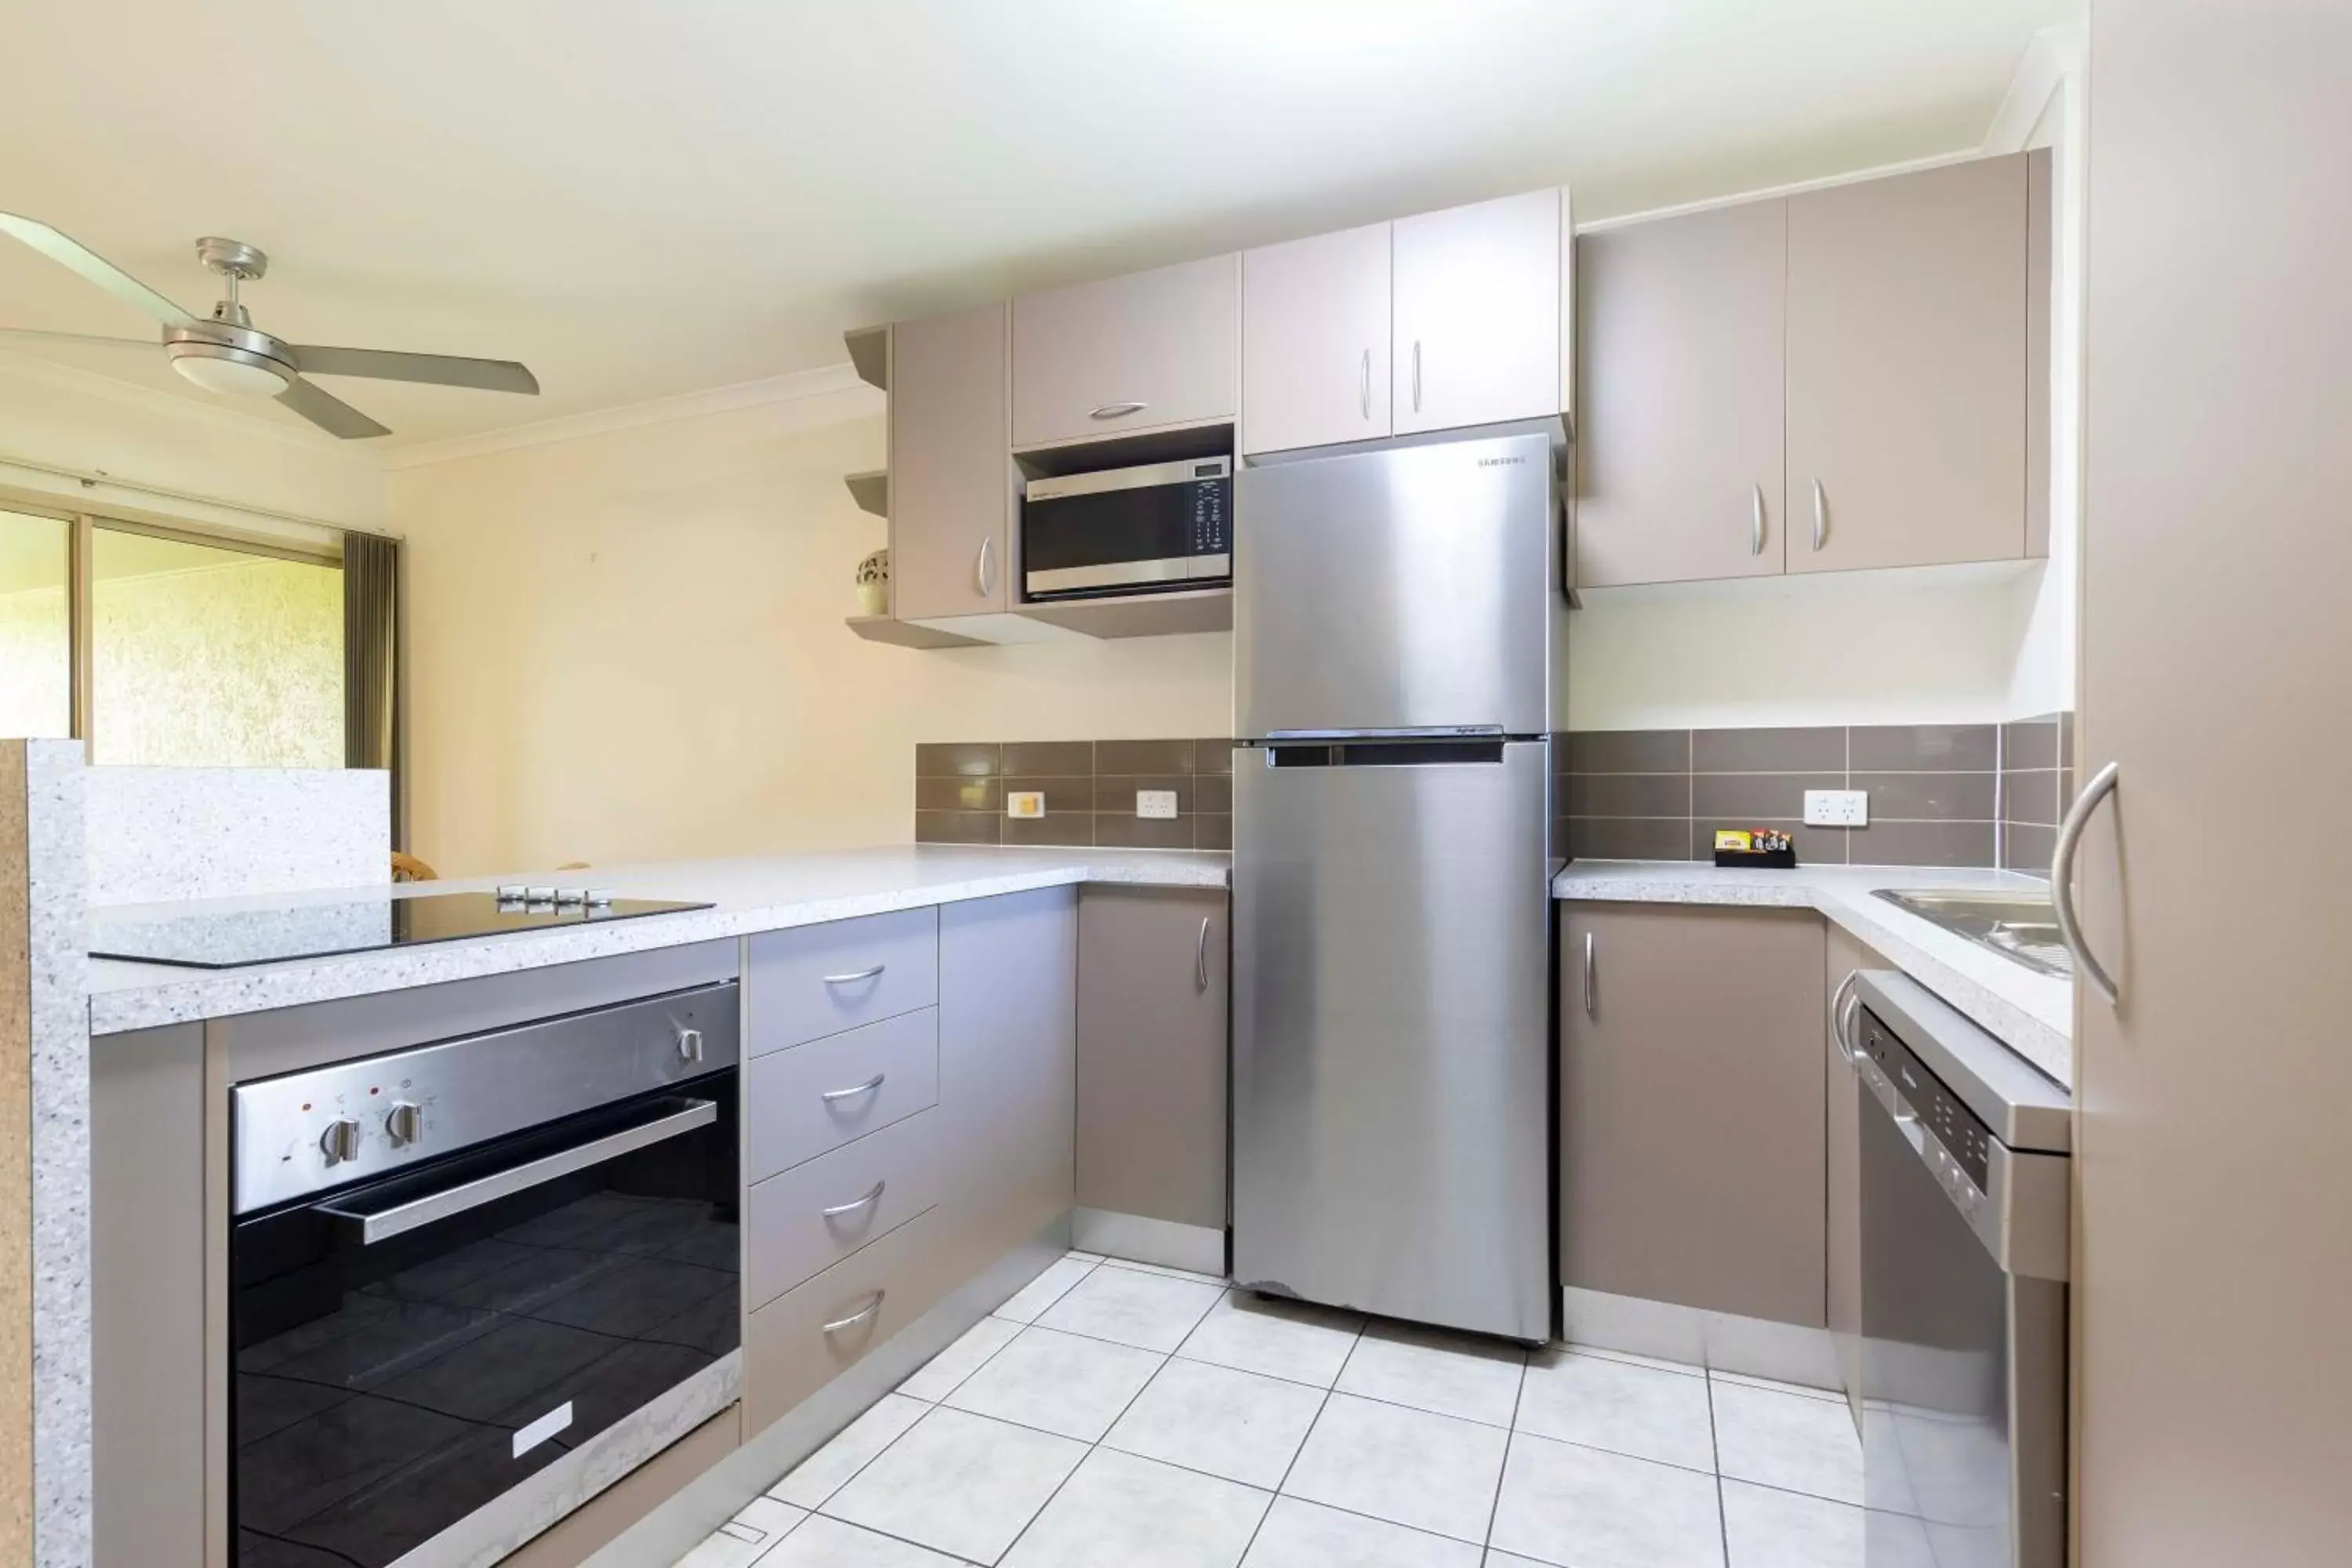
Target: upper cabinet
column 1315, row 340
column 1476, row 317
column 1907, row 368
column 1139, row 353
column 1678, row 454
column 951, row 495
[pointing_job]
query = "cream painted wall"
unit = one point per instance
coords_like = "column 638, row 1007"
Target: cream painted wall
column 629, row 645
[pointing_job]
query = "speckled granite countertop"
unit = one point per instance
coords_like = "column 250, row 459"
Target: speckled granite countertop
column 748, row 895
column 2033, row 1014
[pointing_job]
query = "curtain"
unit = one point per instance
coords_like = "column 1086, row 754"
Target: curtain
column 372, row 662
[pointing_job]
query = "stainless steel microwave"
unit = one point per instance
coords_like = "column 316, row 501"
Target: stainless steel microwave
column 1128, row 531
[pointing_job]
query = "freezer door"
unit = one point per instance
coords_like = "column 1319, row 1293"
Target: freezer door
column 1392, row 1058
column 1398, row 590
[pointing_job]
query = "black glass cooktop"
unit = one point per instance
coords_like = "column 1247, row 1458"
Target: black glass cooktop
column 232, row 938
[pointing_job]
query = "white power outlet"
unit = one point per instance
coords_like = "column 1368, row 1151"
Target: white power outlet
column 1837, row 807
column 1155, row 803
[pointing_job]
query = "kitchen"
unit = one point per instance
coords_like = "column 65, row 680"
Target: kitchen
column 1416, row 923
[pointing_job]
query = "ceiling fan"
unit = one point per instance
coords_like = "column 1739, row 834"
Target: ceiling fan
column 226, row 352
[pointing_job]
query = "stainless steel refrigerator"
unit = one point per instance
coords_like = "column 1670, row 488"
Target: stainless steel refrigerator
column 1398, row 621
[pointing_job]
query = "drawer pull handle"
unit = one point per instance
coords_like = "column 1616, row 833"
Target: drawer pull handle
column 1118, row 410
column 858, row 1316
column 867, row 1202
column 869, row 1086
column 873, row 973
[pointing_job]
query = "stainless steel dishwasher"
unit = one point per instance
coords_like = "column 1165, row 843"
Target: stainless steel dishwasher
column 1964, row 1174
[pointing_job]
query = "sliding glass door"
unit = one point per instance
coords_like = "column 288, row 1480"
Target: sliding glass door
column 35, row 625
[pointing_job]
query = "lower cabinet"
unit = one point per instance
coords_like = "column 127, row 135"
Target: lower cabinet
column 799, row 1342
column 1691, row 1115
column 1152, row 1053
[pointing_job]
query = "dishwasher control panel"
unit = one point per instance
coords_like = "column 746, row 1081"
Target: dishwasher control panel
column 1938, row 1109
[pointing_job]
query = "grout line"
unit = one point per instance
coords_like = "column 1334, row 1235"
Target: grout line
column 1714, row 1448
column 1092, row 1448
column 1494, row 1503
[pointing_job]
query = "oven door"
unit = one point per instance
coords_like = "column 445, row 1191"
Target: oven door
column 408, row 1349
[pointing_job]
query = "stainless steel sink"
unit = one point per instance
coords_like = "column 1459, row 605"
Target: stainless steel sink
column 2017, row 926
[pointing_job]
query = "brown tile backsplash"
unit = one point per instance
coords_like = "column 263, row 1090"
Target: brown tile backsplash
column 1090, row 788
column 1730, row 800
column 1628, row 837
column 1929, row 797
column 2030, row 797
column 1627, row 751
column 2037, row 782
column 1629, row 794
column 1921, row 844
column 1923, row 748
column 2028, row 744
column 1791, row 751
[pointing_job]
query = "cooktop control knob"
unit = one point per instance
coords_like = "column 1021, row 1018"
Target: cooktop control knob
column 341, row 1140
column 404, row 1123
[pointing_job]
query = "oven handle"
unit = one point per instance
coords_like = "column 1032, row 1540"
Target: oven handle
column 386, row 1224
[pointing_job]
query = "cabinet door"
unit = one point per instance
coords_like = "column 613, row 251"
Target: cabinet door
column 950, row 481
column 1678, row 453
column 1152, row 1053
column 1008, row 1025
column 1315, row 340
column 1691, row 1107
column 1476, row 322
column 1845, row 1122
column 1907, row 369
column 1137, row 352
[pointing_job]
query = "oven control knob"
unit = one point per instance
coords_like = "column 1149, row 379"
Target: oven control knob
column 404, row 1123
column 341, row 1140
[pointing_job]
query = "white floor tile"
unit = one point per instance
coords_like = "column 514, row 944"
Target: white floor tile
column 1046, row 1289
column 937, row 1377
column 1281, row 1339
column 1769, row 1529
column 1151, row 1312
column 1789, row 1441
column 1169, row 1271
column 1658, row 1363
column 1238, row 1424
column 1453, row 1374
column 1565, row 1504
column 852, row 1449
column 824, row 1543
column 1298, row 1534
column 959, row 1483
column 741, row 1539
column 1504, row 1560
column 1614, row 1404
column 1409, row 1467
column 1135, row 1513
column 1084, row 1257
column 1805, row 1390
column 1058, row 1383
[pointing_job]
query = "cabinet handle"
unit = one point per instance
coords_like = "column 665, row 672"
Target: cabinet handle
column 1820, row 515
column 869, row 1086
column 983, row 568
column 2062, row 881
column 873, row 973
column 1838, row 1013
column 1756, row 523
column 867, row 1202
column 858, row 1316
column 1201, row 958
column 1416, row 375
column 1364, row 390
column 1591, row 990
column 1117, row 410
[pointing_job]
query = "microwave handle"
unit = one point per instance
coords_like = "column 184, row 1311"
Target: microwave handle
column 383, row 1225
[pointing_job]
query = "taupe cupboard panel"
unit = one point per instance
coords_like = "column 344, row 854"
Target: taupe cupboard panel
column 1678, row 451
column 1137, row 352
column 1476, row 326
column 1845, row 1121
column 807, row 1219
column 813, row 981
column 1315, row 340
column 1906, row 381
column 1691, row 1129
column 951, row 486
column 801, row 1102
column 805, row 1338
column 1152, row 1063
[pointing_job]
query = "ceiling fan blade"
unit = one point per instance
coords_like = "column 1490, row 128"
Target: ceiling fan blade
column 437, row 370
column 35, row 335
column 328, row 413
column 75, row 256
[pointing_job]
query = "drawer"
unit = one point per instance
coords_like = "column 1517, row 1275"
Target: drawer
column 789, row 1237
column 788, row 1353
column 814, row 980
column 801, row 1102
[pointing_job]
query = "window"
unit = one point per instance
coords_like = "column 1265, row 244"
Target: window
column 35, row 625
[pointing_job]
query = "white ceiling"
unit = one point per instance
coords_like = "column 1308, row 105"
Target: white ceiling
column 646, row 197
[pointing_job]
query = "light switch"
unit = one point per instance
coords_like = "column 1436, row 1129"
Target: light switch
column 1155, row 803
column 1837, row 807
column 1025, row 803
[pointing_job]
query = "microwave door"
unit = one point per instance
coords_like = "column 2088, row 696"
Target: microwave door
column 1128, row 530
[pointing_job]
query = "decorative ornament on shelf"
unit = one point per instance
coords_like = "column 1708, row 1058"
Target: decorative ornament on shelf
column 873, row 584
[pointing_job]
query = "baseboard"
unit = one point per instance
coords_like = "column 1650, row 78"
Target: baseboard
column 678, row 1526
column 1754, row 1347
column 1141, row 1239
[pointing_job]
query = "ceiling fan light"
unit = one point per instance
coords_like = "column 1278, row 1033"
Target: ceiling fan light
column 237, row 377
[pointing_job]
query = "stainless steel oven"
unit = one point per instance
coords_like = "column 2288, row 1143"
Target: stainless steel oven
column 452, row 1265
column 1128, row 531
column 1964, row 1176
